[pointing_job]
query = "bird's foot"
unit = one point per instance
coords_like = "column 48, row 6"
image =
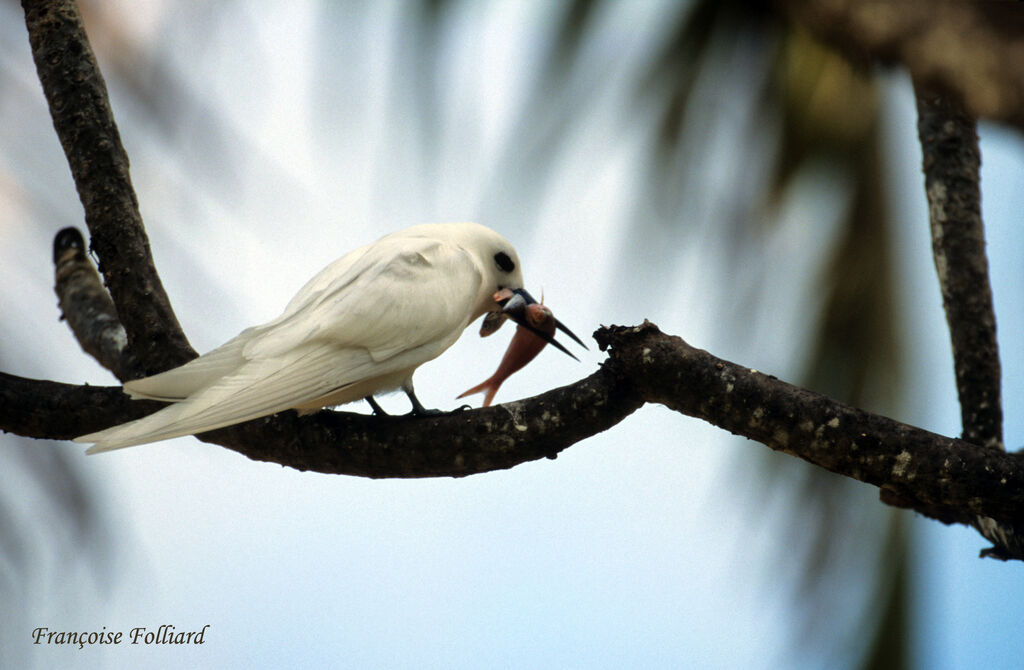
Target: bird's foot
column 423, row 411
column 417, row 407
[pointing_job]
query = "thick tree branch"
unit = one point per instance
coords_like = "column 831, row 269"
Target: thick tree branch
column 52, row 410
column 930, row 472
column 454, row 444
column 79, row 106
column 971, row 50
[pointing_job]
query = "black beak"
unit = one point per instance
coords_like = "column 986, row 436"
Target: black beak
column 515, row 308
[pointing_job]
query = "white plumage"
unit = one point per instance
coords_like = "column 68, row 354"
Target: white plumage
column 360, row 327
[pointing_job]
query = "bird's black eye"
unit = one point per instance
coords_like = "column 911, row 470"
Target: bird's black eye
column 504, row 262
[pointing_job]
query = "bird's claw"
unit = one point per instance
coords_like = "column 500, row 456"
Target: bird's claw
column 423, row 411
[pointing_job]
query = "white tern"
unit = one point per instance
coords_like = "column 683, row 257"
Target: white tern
column 359, row 328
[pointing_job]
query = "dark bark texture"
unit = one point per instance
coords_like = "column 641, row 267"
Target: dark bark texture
column 951, row 163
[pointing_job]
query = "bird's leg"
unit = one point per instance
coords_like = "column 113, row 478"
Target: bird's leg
column 417, row 407
column 377, row 409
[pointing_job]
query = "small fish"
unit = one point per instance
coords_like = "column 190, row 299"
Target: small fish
column 523, row 348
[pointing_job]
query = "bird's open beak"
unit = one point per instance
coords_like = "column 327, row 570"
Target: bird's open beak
column 513, row 305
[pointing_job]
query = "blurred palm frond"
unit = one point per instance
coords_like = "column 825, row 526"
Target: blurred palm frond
column 820, row 113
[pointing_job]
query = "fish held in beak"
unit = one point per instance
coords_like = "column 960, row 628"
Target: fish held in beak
column 535, row 322
column 514, row 304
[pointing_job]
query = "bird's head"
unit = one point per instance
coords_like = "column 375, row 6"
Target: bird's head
column 503, row 295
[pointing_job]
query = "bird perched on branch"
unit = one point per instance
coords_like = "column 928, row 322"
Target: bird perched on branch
column 359, row 328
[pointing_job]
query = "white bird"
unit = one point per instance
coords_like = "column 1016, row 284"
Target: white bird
column 360, row 327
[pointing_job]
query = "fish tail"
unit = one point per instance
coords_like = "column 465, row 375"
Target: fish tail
column 487, row 385
column 489, row 396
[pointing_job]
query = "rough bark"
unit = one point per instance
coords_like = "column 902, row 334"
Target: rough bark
column 951, row 164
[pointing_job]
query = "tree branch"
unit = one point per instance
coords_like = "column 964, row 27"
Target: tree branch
column 80, row 108
column 951, row 163
column 87, row 308
column 971, row 50
column 952, row 159
column 56, row 411
column 930, row 472
column 451, row 445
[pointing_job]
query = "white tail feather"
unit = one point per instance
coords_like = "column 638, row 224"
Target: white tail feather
column 181, row 382
column 258, row 388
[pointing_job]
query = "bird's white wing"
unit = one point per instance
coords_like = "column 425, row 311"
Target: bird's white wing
column 179, row 383
column 399, row 295
column 376, row 320
column 342, row 302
